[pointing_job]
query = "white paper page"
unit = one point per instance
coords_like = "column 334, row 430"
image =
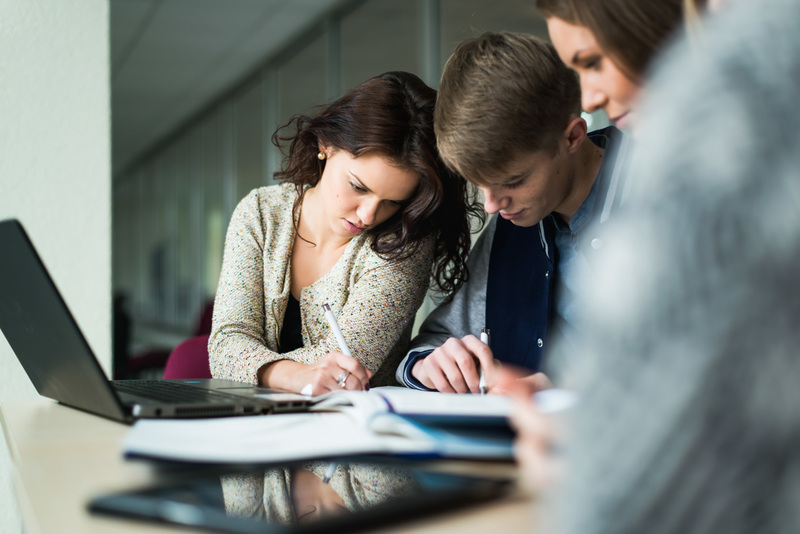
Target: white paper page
column 276, row 437
column 413, row 402
column 361, row 404
column 554, row 400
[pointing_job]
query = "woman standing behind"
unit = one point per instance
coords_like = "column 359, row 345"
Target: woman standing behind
column 696, row 427
column 365, row 214
column 611, row 45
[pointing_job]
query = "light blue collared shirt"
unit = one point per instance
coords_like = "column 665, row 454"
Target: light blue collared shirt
column 573, row 268
column 574, row 275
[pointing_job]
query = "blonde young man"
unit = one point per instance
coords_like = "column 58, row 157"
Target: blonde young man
column 508, row 120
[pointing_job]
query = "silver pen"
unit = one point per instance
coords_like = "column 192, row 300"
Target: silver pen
column 329, row 473
column 484, row 339
column 337, row 333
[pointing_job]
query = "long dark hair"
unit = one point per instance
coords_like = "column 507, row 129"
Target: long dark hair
column 391, row 116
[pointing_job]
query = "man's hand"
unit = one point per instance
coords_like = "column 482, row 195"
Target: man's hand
column 454, row 366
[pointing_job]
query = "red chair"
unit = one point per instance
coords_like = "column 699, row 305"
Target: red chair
column 189, row 359
column 153, row 361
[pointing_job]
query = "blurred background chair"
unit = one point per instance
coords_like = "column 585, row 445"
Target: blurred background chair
column 189, row 359
column 150, row 359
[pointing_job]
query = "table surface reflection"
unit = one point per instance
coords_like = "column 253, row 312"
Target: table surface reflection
column 62, row 458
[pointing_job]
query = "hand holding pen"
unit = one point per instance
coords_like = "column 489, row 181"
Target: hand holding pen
column 342, row 379
column 456, row 365
column 337, row 332
column 332, row 372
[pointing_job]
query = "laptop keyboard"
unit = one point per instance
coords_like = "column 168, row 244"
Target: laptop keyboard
column 172, row 392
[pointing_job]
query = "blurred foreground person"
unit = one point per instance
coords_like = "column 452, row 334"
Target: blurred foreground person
column 697, row 427
column 611, row 45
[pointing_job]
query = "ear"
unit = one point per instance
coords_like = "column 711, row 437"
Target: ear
column 574, row 134
column 325, row 149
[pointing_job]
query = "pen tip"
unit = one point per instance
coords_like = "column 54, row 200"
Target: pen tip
column 326, row 307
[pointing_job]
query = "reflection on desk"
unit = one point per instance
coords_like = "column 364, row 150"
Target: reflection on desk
column 63, row 458
column 298, row 494
column 295, row 498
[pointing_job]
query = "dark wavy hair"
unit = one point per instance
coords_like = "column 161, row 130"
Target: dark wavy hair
column 391, row 116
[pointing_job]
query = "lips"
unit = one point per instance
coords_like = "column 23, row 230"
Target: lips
column 621, row 120
column 510, row 216
column 352, row 228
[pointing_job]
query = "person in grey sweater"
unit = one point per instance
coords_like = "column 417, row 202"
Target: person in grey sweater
column 697, row 427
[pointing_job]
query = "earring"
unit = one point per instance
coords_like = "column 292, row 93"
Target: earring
column 320, row 156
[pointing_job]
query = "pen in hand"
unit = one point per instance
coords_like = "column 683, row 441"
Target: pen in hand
column 337, row 332
column 482, row 383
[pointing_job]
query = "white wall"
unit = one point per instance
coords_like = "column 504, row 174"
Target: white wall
column 55, row 169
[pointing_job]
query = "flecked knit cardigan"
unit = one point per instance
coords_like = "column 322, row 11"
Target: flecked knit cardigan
column 268, row 495
column 374, row 300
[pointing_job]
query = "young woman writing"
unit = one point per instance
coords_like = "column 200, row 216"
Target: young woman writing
column 366, row 216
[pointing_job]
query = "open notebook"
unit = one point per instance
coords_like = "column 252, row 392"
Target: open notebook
column 384, row 421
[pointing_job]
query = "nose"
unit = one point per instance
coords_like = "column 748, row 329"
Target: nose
column 368, row 211
column 592, row 98
column 493, row 201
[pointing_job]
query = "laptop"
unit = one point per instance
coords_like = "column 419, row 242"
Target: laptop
column 59, row 362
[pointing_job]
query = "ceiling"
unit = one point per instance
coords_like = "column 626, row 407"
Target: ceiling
column 169, row 58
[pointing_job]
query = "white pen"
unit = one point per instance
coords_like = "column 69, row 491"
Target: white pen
column 484, row 339
column 329, row 473
column 337, row 332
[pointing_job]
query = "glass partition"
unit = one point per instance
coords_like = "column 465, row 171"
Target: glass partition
column 379, row 36
column 249, row 138
column 301, row 81
column 172, row 205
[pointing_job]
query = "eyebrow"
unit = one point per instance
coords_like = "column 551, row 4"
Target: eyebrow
column 578, row 58
column 360, row 181
column 516, row 177
column 368, row 190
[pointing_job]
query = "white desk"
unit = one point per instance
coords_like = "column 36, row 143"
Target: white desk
column 63, row 457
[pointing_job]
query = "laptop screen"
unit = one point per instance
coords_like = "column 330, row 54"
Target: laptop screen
column 42, row 332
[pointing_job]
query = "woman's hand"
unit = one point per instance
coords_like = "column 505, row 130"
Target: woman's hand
column 323, row 375
column 518, row 383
